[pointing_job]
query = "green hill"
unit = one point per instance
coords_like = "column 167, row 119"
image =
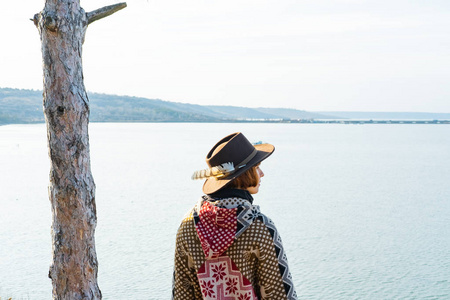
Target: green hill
column 20, row 106
column 25, row 106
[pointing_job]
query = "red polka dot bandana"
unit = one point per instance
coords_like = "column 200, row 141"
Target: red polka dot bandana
column 216, row 229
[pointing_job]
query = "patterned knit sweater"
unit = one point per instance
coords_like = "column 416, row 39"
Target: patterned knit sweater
column 227, row 249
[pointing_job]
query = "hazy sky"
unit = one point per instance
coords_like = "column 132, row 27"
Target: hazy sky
column 307, row 54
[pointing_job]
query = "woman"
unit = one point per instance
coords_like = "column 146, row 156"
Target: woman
column 226, row 248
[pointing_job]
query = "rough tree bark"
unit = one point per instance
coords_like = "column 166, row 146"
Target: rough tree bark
column 62, row 26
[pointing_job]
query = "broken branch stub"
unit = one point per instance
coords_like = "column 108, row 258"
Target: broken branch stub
column 104, row 12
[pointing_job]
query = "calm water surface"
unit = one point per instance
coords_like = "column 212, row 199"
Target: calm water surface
column 364, row 210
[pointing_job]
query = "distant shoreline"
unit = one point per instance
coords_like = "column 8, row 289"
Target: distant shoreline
column 340, row 121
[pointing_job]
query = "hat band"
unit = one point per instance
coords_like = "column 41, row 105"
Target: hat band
column 238, row 166
column 245, row 161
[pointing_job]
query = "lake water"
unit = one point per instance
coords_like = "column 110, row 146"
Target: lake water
column 364, row 210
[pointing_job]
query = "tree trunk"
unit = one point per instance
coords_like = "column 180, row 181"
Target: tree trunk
column 62, row 26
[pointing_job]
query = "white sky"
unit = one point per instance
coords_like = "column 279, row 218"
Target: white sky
column 354, row 55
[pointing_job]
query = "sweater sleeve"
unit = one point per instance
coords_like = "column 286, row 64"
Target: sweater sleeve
column 274, row 277
column 184, row 274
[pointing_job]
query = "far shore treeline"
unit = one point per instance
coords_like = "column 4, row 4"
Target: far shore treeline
column 22, row 106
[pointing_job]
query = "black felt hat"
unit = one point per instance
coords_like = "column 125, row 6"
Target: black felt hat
column 229, row 158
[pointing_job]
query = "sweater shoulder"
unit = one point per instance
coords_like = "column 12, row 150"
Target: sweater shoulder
column 187, row 222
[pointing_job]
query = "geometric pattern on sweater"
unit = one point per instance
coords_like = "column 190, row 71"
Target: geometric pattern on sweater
column 282, row 258
column 257, row 253
column 247, row 215
column 220, row 279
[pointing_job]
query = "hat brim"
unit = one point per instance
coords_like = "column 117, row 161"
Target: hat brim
column 213, row 185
